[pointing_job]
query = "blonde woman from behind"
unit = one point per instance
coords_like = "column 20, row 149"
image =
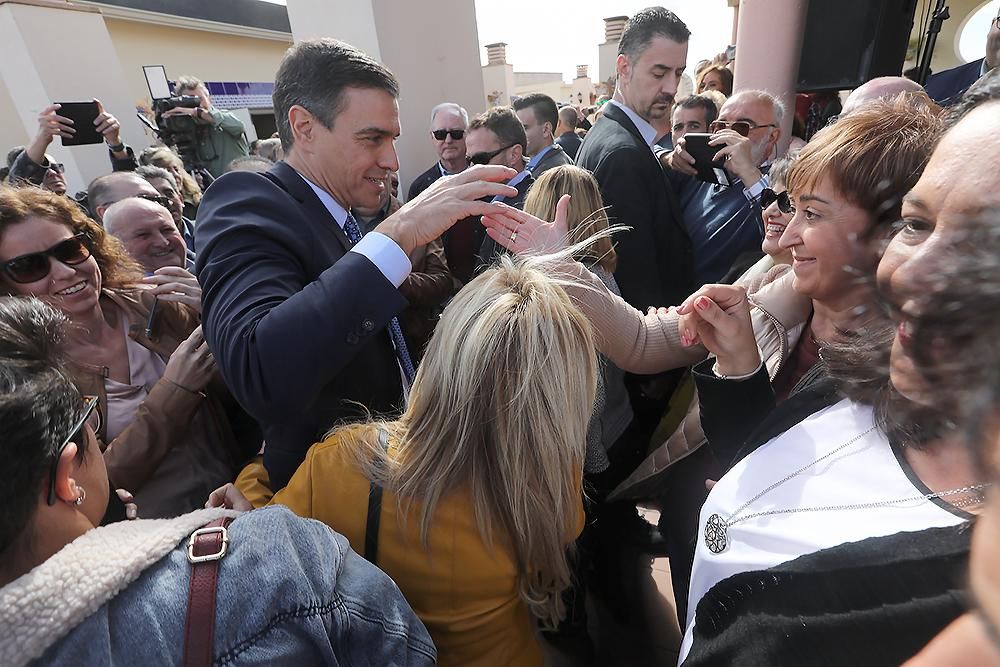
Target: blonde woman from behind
column 480, row 478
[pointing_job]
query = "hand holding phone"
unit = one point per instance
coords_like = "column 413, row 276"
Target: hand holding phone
column 708, row 170
column 82, row 115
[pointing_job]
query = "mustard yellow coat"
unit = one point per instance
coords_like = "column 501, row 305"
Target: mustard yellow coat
column 465, row 594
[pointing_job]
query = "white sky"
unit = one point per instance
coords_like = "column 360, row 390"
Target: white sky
column 556, row 37
column 545, row 36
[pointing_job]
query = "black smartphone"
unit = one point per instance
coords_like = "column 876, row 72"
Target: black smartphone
column 709, row 171
column 83, row 115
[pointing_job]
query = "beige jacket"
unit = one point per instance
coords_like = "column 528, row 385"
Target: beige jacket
column 647, row 344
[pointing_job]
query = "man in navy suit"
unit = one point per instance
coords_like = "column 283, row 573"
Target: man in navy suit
column 298, row 309
column 948, row 86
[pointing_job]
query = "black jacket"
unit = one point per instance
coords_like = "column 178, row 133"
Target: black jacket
column 423, row 181
column 556, row 157
column 570, row 142
column 297, row 324
column 873, row 603
column 655, row 259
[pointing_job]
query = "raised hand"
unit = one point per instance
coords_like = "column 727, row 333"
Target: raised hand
column 445, row 202
column 523, row 233
column 172, row 283
column 107, row 125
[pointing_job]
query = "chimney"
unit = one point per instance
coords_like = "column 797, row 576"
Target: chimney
column 581, row 72
column 496, row 54
column 613, row 28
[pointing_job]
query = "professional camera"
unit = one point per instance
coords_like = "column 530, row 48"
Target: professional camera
column 180, row 131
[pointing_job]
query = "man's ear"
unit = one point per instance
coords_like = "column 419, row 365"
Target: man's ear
column 623, row 67
column 547, row 129
column 66, row 487
column 516, row 153
column 303, row 125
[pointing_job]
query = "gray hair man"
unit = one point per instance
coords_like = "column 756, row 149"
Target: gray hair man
column 724, row 221
column 449, row 123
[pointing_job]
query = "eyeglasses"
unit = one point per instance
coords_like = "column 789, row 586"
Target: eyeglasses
column 742, row 127
column 455, row 134
column 485, row 157
column 159, row 199
column 35, row 266
column 57, row 167
column 769, row 196
column 91, row 407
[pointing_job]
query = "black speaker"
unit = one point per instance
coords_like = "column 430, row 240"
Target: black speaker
column 848, row 42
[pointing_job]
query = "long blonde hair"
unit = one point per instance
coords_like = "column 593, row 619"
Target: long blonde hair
column 500, row 407
column 586, row 210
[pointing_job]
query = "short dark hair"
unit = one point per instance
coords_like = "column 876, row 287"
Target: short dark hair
column 38, row 406
column 699, row 102
column 544, row 107
column 314, row 74
column 569, row 117
column 503, row 122
column 647, row 24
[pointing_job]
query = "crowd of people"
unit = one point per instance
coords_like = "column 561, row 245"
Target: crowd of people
column 261, row 409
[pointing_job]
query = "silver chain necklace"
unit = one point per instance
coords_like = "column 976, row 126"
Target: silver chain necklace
column 717, row 527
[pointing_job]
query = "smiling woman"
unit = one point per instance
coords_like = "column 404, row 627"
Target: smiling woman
column 162, row 418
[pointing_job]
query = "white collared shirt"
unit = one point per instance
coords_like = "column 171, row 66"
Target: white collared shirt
column 381, row 250
column 647, row 131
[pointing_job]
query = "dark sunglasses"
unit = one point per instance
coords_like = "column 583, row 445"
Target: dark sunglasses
column 769, row 196
column 485, row 157
column 91, row 407
column 57, row 167
column 159, row 199
column 35, row 266
column 741, row 127
column 455, row 134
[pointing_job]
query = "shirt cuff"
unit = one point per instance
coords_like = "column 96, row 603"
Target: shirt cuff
column 752, row 193
column 386, row 255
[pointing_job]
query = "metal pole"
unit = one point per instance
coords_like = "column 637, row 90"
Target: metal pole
column 940, row 15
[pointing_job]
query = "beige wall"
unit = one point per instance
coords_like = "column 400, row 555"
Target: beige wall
column 208, row 55
column 12, row 133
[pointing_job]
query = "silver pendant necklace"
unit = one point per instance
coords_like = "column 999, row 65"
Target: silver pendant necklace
column 717, row 527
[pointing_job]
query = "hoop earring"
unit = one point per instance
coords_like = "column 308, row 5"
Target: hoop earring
column 79, row 499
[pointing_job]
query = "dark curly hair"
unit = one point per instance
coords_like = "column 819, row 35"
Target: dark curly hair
column 118, row 269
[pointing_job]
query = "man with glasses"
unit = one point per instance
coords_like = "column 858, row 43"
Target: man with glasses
column 725, row 221
column 36, row 167
column 947, row 87
column 448, row 125
column 496, row 137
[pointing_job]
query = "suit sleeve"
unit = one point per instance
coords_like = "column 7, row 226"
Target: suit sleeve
column 626, row 183
column 277, row 335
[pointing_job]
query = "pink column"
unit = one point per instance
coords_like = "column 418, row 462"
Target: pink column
column 768, row 43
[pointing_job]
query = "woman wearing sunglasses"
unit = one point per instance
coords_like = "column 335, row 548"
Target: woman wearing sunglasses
column 168, row 436
column 289, row 591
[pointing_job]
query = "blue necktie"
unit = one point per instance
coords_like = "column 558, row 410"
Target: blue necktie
column 354, row 236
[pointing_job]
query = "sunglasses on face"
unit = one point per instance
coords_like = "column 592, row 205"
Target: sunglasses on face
column 741, row 127
column 57, row 167
column 440, row 135
column 159, row 199
column 92, row 416
column 35, row 266
column 769, row 196
column 485, row 157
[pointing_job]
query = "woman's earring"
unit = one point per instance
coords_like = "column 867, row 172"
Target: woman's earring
column 80, row 498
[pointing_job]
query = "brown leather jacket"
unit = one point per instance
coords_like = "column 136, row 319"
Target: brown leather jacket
column 180, row 443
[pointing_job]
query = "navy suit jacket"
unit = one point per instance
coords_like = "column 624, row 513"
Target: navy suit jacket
column 948, row 86
column 296, row 323
column 655, row 259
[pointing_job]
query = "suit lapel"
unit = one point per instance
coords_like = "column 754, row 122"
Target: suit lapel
column 292, row 183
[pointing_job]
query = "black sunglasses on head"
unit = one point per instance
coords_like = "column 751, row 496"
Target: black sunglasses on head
column 77, row 436
column 769, row 196
column 57, row 167
column 485, row 157
column 35, row 266
column 441, row 134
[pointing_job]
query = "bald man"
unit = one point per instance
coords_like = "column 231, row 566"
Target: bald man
column 105, row 190
column 148, row 232
column 879, row 88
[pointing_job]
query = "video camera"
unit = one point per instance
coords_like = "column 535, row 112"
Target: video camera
column 179, row 132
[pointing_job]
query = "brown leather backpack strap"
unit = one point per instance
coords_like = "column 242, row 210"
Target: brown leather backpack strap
column 206, row 547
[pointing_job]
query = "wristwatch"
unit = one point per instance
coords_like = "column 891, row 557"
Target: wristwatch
column 117, row 148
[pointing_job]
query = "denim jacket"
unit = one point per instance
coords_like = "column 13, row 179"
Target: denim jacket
column 290, row 591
